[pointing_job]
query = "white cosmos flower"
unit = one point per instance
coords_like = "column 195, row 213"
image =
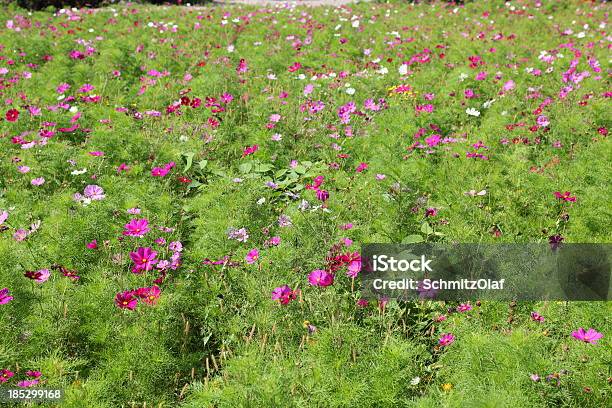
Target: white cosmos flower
column 488, row 104
column 78, row 172
column 472, row 112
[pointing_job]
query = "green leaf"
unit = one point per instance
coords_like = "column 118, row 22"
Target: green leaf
column 280, row 173
column 203, row 164
column 412, row 239
column 262, row 168
column 189, row 157
column 245, row 167
column 426, row 228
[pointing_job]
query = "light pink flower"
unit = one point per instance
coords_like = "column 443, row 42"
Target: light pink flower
column 39, row 181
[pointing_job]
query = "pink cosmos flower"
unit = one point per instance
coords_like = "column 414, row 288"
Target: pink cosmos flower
column 62, row 88
column 94, row 192
column 250, row 150
column 242, row 67
column 136, row 227
column 33, row 374
column 240, row 235
column 39, row 276
column 283, row 294
column 322, row 195
column 567, row 196
column 555, row 241
column 162, row 171
column 4, row 296
column 464, row 307
column 27, row 383
column 12, row 115
column 284, row 221
column 39, row 181
column 93, row 244
column 5, row 375
column 175, row 246
column 446, row 339
column 252, row 256
column 3, row 216
column 320, row 277
column 361, row 167
column 542, row 121
column 274, row 241
column 510, row 85
column 20, row 235
column 590, row 336
column 148, row 295
column 354, row 266
column 316, row 183
column 536, row 317
column 433, row 140
column 431, row 212
column 361, row 302
column 126, row 300
column 226, row 98
column 144, row 259
column 122, row 167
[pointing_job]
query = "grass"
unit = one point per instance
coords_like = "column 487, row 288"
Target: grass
column 215, row 337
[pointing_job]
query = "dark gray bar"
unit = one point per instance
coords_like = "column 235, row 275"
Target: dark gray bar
column 464, row 272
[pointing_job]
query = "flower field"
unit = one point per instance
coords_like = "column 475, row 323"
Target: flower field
column 184, row 192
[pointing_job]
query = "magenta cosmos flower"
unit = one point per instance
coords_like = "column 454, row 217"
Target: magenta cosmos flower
column 33, row 373
column 588, row 336
column 431, row 212
column 39, row 276
column 5, row 375
column 536, row 317
column 446, row 339
column 4, row 296
column 464, row 307
column 354, row 266
column 567, row 196
column 283, row 294
column 252, row 256
column 27, row 383
column 148, row 295
column 144, row 259
column 126, row 300
column 136, row 227
column 319, row 277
